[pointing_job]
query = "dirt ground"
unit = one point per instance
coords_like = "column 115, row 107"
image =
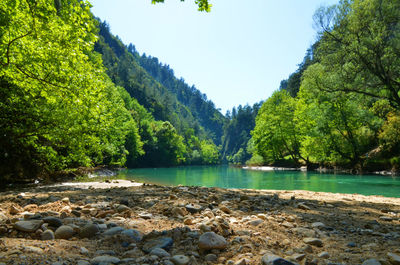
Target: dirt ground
column 345, row 228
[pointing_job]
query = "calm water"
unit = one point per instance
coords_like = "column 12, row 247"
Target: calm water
column 230, row 177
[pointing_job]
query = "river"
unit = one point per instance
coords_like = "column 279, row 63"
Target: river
column 232, row 177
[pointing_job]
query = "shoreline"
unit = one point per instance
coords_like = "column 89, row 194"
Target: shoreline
column 322, row 170
column 120, row 219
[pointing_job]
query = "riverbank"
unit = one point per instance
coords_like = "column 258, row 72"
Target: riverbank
column 323, row 170
column 130, row 223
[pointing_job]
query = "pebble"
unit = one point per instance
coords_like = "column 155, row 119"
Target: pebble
column 64, row 232
column 159, row 252
column 211, row 240
column 323, row 255
column 193, row 208
column 89, row 231
column 163, row 242
column 113, row 231
column 393, row 258
column 313, row 241
column 105, row 260
column 53, row 221
column 351, row 244
column 304, row 232
column 82, row 262
column 134, row 234
column 211, row 257
column 35, row 250
column 180, row 260
column 122, row 208
column 303, row 206
column 28, row 226
column 47, row 235
column 371, row 262
column 318, row 225
column 256, row 222
column 270, row 259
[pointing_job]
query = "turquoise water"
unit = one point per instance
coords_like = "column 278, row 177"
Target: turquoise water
column 231, row 177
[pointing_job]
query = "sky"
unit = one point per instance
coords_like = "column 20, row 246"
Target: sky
column 236, row 54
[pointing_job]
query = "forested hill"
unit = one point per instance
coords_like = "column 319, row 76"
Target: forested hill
column 202, row 109
column 155, row 87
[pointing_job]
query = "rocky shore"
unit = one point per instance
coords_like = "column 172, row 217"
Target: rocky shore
column 128, row 223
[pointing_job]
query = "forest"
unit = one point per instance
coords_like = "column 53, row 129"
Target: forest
column 72, row 95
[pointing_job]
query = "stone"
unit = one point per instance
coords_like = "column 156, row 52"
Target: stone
column 323, row 255
column 304, row 232
column 351, row 244
column 179, row 211
column 303, row 206
column 146, row 216
column 180, row 260
column 122, row 208
column 84, row 251
column 270, row 259
column 188, row 221
column 318, row 225
column 287, row 224
column 134, row 234
column 211, row 240
column 64, row 232
column 89, row 231
column 3, row 218
column 242, row 262
column 13, row 210
column 313, row 241
column 211, row 257
column 53, row 221
column 163, row 242
column 159, row 252
column 393, row 258
column 104, row 260
column 113, row 231
column 225, row 209
column 34, row 250
column 47, row 235
column 82, row 262
column 256, row 222
column 193, row 208
column 28, row 226
column 371, row 262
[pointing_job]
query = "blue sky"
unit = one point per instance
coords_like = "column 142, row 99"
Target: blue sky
column 236, row 54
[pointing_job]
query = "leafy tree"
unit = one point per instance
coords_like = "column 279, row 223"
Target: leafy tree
column 360, row 43
column 58, row 109
column 335, row 126
column 275, row 135
column 203, row 5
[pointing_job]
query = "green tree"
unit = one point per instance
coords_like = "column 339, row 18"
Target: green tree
column 360, row 42
column 275, row 135
column 203, row 5
column 58, row 109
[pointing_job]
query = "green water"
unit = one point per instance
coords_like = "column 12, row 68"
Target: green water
column 231, row 177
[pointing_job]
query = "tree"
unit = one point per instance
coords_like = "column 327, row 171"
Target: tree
column 58, row 109
column 275, row 135
column 203, row 4
column 360, row 42
column 336, row 127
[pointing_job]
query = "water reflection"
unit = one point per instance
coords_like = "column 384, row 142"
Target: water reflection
column 231, row 177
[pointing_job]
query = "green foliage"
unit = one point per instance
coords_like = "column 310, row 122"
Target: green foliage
column 237, row 132
column 203, row 5
column 210, row 153
column 360, row 43
column 58, row 108
column 275, row 135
